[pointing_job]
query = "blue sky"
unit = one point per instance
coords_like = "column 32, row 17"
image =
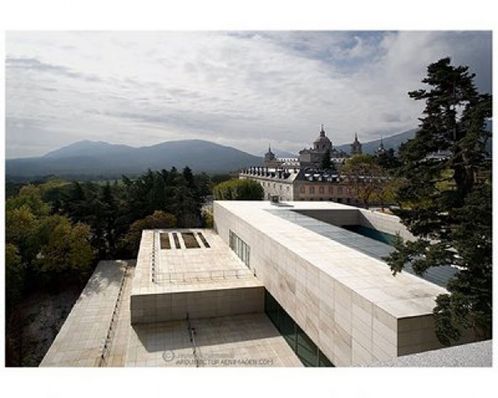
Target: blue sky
column 243, row 89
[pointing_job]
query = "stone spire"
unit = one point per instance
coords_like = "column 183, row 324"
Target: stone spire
column 356, row 146
column 381, row 149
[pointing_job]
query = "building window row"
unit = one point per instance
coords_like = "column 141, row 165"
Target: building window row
column 321, row 189
column 241, row 248
column 301, row 344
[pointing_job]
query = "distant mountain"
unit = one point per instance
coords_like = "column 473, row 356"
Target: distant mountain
column 101, row 158
column 394, row 141
column 85, row 147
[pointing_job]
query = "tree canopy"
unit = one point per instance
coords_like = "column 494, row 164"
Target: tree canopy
column 367, row 179
column 236, row 189
column 445, row 198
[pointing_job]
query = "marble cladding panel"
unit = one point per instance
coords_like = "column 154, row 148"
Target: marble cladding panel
column 150, row 308
column 348, row 328
column 353, row 319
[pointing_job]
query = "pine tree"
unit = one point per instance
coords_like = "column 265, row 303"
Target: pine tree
column 445, row 200
column 326, row 163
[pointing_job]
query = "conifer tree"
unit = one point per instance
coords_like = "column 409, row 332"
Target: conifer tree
column 445, row 200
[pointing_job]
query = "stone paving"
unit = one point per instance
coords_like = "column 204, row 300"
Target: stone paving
column 81, row 339
column 119, row 342
column 248, row 340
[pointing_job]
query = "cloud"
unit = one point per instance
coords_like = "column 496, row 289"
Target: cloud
column 34, row 64
column 245, row 89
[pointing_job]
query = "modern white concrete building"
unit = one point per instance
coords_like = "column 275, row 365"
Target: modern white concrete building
column 331, row 282
column 287, row 284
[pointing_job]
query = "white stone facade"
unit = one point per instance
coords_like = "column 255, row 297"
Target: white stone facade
column 347, row 302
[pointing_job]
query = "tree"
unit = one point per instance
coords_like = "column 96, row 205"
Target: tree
column 66, row 248
column 158, row 220
column 14, row 276
column 326, row 163
column 236, row 189
column 387, row 159
column 31, row 197
column 21, row 230
column 365, row 176
column 445, row 201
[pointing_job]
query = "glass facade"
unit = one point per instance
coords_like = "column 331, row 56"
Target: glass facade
column 301, row 344
column 241, row 249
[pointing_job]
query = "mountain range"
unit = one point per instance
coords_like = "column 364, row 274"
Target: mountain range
column 97, row 158
column 393, row 141
column 103, row 159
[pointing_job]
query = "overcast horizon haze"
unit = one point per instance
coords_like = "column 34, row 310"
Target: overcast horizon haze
column 240, row 89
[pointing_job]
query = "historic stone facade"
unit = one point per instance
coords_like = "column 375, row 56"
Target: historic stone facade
column 302, row 178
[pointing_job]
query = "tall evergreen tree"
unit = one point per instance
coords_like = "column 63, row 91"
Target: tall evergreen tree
column 326, row 163
column 445, row 200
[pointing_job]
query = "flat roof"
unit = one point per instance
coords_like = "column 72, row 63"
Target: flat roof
column 98, row 332
column 230, row 341
column 81, row 339
column 403, row 295
column 438, row 275
column 182, row 269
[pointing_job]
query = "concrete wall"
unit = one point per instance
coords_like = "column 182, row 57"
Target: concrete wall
column 170, row 306
column 334, row 217
column 383, row 222
column 348, row 328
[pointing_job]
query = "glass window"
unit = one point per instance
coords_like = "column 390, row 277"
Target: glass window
column 312, row 189
column 307, row 351
column 240, row 248
column 298, row 340
column 301, row 189
column 323, row 361
column 321, row 189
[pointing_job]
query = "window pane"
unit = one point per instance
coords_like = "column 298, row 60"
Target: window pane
column 323, row 360
column 307, row 351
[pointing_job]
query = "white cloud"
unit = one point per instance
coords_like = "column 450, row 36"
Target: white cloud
column 244, row 89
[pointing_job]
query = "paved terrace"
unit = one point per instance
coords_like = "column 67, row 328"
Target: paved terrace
column 98, row 332
column 167, row 270
column 246, row 340
column 90, row 328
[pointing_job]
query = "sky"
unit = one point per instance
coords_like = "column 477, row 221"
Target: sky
column 241, row 89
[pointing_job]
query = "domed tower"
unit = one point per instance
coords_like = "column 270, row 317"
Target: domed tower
column 356, row 146
column 322, row 143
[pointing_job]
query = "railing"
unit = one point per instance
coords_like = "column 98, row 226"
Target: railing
column 106, row 347
column 153, row 258
column 211, row 275
column 192, row 332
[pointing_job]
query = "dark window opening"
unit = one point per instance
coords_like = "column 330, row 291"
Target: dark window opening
column 165, row 244
column 203, row 239
column 298, row 340
column 190, row 241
